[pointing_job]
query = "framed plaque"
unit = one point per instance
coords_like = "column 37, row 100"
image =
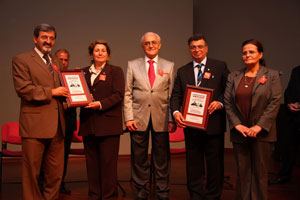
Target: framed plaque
column 74, row 81
column 195, row 106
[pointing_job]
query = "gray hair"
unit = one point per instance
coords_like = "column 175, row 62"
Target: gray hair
column 142, row 38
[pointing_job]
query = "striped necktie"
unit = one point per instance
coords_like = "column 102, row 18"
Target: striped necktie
column 200, row 73
column 48, row 63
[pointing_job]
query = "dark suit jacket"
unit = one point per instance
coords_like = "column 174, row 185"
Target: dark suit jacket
column 110, row 92
column 292, row 94
column 217, row 81
column 40, row 112
column 266, row 99
column 71, row 119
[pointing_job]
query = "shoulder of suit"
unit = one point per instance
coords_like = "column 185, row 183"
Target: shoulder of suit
column 115, row 68
column 85, row 69
column 237, row 72
column 25, row 54
column 185, row 67
column 164, row 60
column 215, row 61
column 269, row 70
column 296, row 69
column 136, row 60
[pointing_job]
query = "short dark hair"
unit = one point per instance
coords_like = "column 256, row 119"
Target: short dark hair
column 43, row 27
column 93, row 44
column 197, row 37
column 259, row 47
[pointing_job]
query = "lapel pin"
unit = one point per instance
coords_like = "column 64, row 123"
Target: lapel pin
column 102, row 77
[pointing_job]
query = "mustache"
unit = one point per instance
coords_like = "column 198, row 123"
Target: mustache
column 47, row 44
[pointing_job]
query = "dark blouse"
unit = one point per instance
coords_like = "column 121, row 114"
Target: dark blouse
column 243, row 95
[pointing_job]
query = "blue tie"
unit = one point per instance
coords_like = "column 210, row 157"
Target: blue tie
column 200, row 73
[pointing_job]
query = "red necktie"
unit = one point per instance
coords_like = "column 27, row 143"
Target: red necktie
column 151, row 73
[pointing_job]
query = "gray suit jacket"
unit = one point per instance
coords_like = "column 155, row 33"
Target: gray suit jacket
column 266, row 99
column 40, row 113
column 141, row 100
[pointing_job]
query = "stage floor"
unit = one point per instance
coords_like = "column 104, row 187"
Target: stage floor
column 76, row 180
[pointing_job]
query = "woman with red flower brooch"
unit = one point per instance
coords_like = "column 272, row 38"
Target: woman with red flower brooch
column 101, row 122
column 252, row 99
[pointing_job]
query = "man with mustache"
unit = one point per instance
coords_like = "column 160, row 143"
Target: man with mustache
column 204, row 149
column 42, row 124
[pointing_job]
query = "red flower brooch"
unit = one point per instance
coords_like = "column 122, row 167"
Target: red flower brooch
column 55, row 68
column 161, row 72
column 262, row 80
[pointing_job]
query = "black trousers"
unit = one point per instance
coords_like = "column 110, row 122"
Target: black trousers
column 68, row 142
column 160, row 161
column 290, row 148
column 200, row 149
column 101, row 164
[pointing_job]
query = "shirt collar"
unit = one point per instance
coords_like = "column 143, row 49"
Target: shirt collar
column 93, row 70
column 203, row 62
column 40, row 53
column 154, row 59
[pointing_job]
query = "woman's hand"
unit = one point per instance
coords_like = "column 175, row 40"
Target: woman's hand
column 94, row 105
column 253, row 131
column 242, row 129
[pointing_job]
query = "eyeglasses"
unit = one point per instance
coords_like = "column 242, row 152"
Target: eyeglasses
column 245, row 53
column 148, row 43
column 200, row 47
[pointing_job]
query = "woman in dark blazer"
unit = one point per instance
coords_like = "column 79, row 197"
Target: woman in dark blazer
column 101, row 122
column 252, row 99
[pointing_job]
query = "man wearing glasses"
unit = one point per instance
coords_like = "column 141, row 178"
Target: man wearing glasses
column 203, row 146
column 148, row 87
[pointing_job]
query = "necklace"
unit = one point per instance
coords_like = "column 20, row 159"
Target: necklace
column 247, row 81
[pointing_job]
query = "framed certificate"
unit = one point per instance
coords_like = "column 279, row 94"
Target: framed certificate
column 75, row 82
column 195, row 106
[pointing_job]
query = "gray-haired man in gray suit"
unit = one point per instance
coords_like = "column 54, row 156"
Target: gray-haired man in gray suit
column 149, row 83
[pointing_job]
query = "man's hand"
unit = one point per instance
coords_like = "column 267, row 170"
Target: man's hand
column 172, row 127
column 294, row 107
column 215, row 105
column 94, row 105
column 253, row 131
column 242, row 129
column 60, row 91
column 131, row 125
column 179, row 120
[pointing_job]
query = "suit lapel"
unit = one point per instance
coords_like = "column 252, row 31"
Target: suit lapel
column 56, row 68
column 87, row 75
column 158, row 76
column 143, row 71
column 262, row 71
column 207, row 69
column 104, row 73
column 237, row 79
column 190, row 74
column 40, row 62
